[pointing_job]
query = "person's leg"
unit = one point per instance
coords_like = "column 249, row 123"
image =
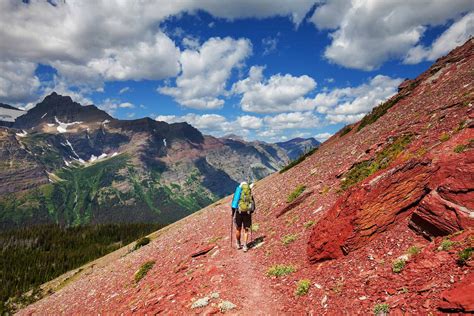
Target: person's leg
column 237, row 234
column 238, row 228
column 247, row 222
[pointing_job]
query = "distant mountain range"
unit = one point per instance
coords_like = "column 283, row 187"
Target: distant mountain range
column 296, row 146
column 66, row 163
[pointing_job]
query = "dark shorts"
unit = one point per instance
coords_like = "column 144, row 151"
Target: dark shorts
column 243, row 219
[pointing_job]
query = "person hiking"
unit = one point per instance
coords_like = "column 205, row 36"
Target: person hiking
column 243, row 206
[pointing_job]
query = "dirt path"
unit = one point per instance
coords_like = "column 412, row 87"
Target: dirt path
column 256, row 295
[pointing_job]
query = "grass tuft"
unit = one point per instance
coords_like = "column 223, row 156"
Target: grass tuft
column 297, row 192
column 288, row 239
column 381, row 309
column 459, row 148
column 141, row 242
column 280, row 270
column 140, row 274
column 309, row 224
column 446, row 244
column 464, row 256
column 414, row 250
column 398, row 265
column 444, row 137
column 303, row 287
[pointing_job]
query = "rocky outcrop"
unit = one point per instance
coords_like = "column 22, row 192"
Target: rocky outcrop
column 460, row 298
column 437, row 195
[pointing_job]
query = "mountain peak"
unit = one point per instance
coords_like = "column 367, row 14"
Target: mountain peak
column 59, row 107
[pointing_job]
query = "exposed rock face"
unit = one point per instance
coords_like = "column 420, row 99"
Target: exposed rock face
column 437, row 195
column 18, row 168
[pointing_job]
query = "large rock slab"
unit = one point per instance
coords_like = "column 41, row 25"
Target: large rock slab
column 435, row 194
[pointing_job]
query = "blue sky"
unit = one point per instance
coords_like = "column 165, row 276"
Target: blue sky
column 268, row 70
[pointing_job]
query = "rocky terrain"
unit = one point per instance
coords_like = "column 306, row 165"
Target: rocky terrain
column 378, row 220
column 65, row 163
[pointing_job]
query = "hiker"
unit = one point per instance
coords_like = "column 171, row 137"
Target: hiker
column 243, row 205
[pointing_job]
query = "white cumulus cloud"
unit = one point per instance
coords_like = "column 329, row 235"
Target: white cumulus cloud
column 457, row 34
column 366, row 33
column 205, row 72
column 348, row 105
column 279, row 93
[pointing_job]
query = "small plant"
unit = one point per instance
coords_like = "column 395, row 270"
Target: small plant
column 214, row 239
column 398, row 265
column 308, row 224
column 414, row 250
column 444, row 137
column 446, row 244
column 297, row 192
column 288, row 239
column 140, row 274
column 303, row 287
column 255, row 227
column 280, row 270
column 464, row 255
column 459, row 148
column 141, row 242
column 381, row 309
column 404, row 290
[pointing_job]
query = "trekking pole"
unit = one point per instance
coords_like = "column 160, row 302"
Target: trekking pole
column 231, row 228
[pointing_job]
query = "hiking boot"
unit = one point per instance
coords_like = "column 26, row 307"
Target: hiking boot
column 246, row 248
column 238, row 245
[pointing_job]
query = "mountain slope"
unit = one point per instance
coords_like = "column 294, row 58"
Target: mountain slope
column 298, row 146
column 65, row 163
column 422, row 137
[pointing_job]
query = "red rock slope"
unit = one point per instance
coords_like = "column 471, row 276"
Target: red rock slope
column 417, row 208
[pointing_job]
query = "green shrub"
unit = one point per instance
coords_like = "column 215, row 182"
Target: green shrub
column 379, row 111
column 345, row 130
column 140, row 274
column 298, row 161
column 414, row 250
column 308, row 224
column 444, row 137
column 297, row 192
column 303, row 287
column 464, row 255
column 446, row 244
column 459, row 148
column 141, row 242
column 383, row 308
column 363, row 169
column 398, row 265
column 288, row 239
column 280, row 270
